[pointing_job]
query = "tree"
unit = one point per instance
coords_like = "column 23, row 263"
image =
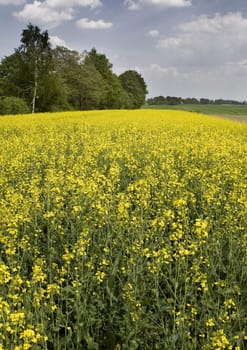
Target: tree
column 57, row 79
column 158, row 100
column 115, row 96
column 135, row 86
column 173, row 100
column 190, row 100
column 35, row 52
column 84, row 85
column 100, row 62
column 13, row 81
column 1, row 87
column 29, row 73
column 205, row 101
column 51, row 94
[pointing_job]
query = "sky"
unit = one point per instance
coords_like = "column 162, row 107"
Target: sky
column 187, row 48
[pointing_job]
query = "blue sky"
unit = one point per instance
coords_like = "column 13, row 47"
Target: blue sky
column 188, row 48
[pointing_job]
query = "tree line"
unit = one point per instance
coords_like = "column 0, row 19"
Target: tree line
column 173, row 100
column 39, row 78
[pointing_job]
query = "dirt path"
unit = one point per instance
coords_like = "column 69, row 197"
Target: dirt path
column 235, row 118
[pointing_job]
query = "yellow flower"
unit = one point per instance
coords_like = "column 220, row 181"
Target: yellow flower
column 210, row 322
column 38, row 275
column 100, row 275
column 219, row 340
column 230, row 303
column 5, row 275
column 17, row 318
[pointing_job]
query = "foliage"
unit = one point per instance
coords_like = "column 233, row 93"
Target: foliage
column 123, row 230
column 115, row 96
column 28, row 74
column 51, row 94
column 135, row 86
column 169, row 100
column 100, row 62
column 172, row 100
column 36, row 60
column 13, row 105
column 13, row 80
column 61, row 79
column 85, row 85
column 89, row 80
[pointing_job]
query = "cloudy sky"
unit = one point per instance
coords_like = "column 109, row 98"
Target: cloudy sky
column 188, row 48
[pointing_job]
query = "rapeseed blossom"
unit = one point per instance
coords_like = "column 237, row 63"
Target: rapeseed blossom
column 123, row 230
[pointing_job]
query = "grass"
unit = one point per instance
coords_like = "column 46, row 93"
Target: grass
column 234, row 112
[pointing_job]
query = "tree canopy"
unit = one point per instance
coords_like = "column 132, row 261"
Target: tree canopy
column 62, row 79
column 135, row 86
column 173, row 100
column 36, row 59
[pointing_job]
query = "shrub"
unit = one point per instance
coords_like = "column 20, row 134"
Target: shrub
column 13, row 105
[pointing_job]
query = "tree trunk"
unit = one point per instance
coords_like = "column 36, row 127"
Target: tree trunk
column 35, row 90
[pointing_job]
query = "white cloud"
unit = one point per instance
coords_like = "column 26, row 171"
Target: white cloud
column 208, row 40
column 85, row 23
column 138, row 4
column 153, row 33
column 41, row 14
column 163, row 71
column 11, row 2
column 205, row 57
column 170, row 43
column 210, row 82
column 132, row 5
column 52, row 12
column 238, row 69
column 56, row 41
column 73, row 3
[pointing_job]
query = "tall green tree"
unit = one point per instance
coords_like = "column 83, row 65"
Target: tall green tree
column 135, row 86
column 115, row 96
column 100, row 62
column 58, row 79
column 13, row 81
column 1, row 87
column 35, row 51
column 85, row 86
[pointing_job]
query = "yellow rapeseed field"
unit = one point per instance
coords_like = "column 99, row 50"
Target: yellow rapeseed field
column 123, row 230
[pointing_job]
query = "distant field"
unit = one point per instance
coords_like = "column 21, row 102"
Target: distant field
column 238, row 113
